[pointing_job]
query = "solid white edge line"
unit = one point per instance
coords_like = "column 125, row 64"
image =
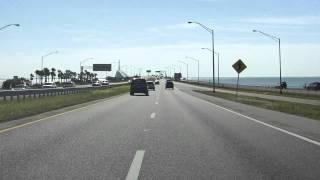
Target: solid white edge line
column 260, row 122
column 135, row 167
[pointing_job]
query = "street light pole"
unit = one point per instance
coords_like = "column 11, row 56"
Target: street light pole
column 187, row 68
column 42, row 57
column 218, row 54
column 81, row 68
column 211, row 31
column 279, row 49
column 187, row 57
column 3, row 27
column 178, row 67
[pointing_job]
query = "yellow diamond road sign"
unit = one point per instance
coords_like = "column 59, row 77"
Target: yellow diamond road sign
column 239, row 66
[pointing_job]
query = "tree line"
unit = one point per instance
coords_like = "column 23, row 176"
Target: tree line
column 46, row 74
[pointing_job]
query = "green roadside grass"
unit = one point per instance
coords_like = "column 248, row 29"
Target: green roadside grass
column 304, row 110
column 19, row 109
column 267, row 92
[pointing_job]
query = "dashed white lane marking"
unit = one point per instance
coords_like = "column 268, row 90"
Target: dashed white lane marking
column 156, row 103
column 153, row 115
column 135, row 167
column 260, row 122
column 146, row 130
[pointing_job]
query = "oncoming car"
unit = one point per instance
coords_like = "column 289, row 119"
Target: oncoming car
column 49, row 85
column 96, row 84
column 105, row 83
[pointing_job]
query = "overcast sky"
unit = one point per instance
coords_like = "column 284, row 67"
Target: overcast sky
column 154, row 34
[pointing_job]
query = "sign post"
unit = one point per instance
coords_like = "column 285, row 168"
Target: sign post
column 148, row 71
column 238, row 66
column 102, row 67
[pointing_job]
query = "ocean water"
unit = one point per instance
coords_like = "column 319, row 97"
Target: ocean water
column 292, row 82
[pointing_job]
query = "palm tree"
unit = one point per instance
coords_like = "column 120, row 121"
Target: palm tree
column 59, row 75
column 87, row 75
column 91, row 76
column 41, row 74
column 37, row 72
column 68, row 74
column 81, row 76
column 53, row 74
column 31, row 77
column 46, row 72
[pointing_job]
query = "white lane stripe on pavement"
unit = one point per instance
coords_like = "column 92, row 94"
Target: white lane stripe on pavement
column 156, row 103
column 260, row 122
column 153, row 115
column 135, row 167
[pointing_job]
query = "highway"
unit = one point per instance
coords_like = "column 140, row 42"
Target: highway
column 171, row 134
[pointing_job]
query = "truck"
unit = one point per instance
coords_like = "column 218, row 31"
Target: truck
column 177, row 76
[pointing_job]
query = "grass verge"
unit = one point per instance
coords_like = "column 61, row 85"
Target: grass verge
column 305, row 110
column 18, row 109
column 267, row 92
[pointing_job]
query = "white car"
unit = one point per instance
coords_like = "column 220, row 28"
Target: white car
column 96, row 83
column 21, row 87
column 105, row 83
column 49, row 85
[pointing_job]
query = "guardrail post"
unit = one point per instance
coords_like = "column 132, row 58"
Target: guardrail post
column 4, row 98
column 18, row 97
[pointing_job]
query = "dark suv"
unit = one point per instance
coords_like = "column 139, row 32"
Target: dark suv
column 169, row 84
column 139, row 86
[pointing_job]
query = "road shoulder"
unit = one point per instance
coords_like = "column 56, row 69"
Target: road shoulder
column 303, row 126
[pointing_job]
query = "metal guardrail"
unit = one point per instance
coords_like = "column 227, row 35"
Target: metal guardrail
column 38, row 93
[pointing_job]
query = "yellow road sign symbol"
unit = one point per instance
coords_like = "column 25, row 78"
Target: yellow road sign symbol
column 239, row 66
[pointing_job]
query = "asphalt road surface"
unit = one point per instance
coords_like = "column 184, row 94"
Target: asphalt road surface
column 171, row 134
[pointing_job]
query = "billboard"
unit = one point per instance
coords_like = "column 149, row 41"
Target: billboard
column 101, row 67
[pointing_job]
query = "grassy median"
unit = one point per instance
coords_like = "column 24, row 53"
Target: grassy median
column 266, row 91
column 18, row 109
column 305, row 110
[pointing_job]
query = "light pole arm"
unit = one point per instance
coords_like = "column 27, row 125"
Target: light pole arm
column 85, row 60
column 187, row 57
column 211, row 51
column 55, row 52
column 268, row 35
column 203, row 26
column 9, row 25
column 42, row 57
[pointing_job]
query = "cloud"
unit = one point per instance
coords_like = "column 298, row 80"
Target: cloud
column 207, row 0
column 293, row 20
column 180, row 26
column 169, row 30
